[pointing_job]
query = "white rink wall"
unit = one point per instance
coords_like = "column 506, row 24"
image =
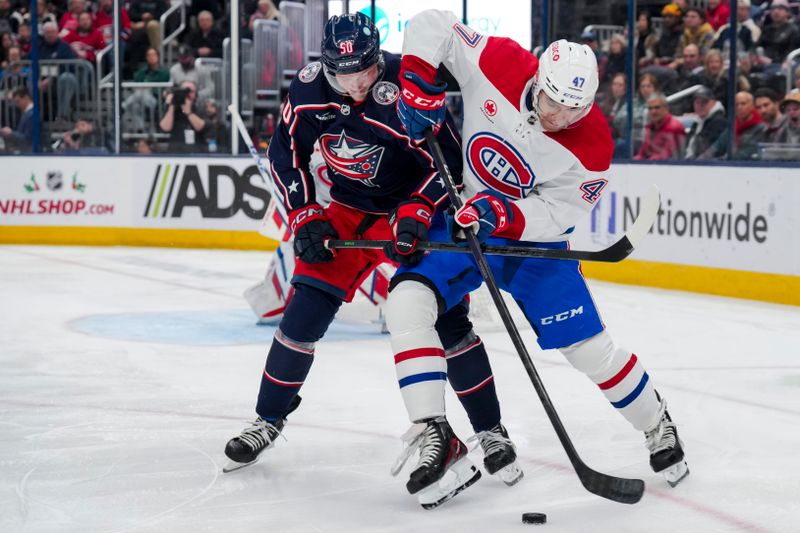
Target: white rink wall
column 723, row 230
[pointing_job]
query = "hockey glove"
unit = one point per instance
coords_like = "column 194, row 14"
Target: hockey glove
column 410, row 222
column 486, row 213
column 421, row 105
column 311, row 229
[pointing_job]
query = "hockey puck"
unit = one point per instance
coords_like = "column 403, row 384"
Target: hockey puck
column 534, row 518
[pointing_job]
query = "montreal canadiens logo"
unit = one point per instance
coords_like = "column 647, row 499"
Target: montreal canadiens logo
column 499, row 166
column 309, row 72
column 351, row 158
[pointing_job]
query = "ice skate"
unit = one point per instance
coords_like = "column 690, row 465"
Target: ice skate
column 500, row 455
column 666, row 448
column 443, row 469
column 244, row 449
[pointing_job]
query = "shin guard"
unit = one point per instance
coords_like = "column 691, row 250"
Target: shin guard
column 620, row 376
column 411, row 313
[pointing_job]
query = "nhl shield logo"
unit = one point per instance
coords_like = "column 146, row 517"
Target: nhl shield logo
column 499, row 166
column 385, row 92
column 55, row 179
column 351, row 157
column 310, row 72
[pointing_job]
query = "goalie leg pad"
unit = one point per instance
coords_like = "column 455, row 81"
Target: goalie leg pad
column 620, row 376
column 411, row 313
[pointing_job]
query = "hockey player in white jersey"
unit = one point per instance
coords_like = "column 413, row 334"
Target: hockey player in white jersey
column 537, row 152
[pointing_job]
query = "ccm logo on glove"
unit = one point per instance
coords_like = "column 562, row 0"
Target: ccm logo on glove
column 303, row 215
column 420, row 102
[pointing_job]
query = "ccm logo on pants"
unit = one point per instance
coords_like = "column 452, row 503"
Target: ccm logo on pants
column 560, row 317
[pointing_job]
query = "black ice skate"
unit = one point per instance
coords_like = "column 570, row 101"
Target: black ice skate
column 244, row 449
column 443, row 469
column 666, row 449
column 500, row 455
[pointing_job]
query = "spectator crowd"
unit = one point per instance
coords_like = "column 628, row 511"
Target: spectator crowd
column 679, row 106
column 682, row 81
column 81, row 29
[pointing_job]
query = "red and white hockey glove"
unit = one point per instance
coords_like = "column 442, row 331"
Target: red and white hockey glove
column 410, row 222
column 487, row 213
column 311, row 229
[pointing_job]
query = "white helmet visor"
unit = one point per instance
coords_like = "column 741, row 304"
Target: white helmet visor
column 554, row 116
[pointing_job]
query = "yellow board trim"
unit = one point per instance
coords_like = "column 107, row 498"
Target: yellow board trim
column 175, row 238
column 775, row 288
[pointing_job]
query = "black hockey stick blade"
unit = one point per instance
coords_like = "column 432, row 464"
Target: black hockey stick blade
column 613, row 254
column 618, row 489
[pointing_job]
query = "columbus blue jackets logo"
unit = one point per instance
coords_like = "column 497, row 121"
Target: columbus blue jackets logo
column 351, row 157
column 499, row 166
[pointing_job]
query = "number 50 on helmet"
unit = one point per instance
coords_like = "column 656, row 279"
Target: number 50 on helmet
column 350, row 44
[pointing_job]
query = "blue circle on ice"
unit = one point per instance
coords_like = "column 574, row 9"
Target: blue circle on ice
column 201, row 328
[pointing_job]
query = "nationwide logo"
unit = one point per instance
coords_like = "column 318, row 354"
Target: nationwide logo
column 613, row 215
column 176, row 188
column 351, row 157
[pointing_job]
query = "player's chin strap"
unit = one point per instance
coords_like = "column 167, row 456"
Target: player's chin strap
column 613, row 488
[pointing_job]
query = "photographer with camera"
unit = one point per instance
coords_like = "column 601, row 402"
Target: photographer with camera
column 184, row 125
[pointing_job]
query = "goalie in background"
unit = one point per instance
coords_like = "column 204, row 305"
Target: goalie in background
column 383, row 187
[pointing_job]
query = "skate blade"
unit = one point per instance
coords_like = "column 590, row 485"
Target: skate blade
column 510, row 474
column 457, row 478
column 676, row 473
column 232, row 466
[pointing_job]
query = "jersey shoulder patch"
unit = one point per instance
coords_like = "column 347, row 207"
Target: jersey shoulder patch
column 385, row 92
column 508, row 67
column 589, row 141
column 309, row 73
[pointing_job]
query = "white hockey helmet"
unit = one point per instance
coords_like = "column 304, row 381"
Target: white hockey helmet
column 565, row 85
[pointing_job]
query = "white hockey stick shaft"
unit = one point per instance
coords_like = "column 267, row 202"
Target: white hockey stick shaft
column 274, row 203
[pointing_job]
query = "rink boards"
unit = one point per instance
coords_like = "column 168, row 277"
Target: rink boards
column 731, row 231
column 722, row 230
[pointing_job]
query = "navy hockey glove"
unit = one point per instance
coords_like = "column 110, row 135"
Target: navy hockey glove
column 487, row 213
column 311, row 229
column 410, row 222
column 421, row 105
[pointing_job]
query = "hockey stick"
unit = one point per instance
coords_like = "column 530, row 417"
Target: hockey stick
column 613, row 254
column 274, row 206
column 613, row 488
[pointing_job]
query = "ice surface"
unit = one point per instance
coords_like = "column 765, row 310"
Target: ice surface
column 123, row 372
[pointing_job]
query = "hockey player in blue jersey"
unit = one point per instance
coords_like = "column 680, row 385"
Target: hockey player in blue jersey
column 346, row 103
column 537, row 152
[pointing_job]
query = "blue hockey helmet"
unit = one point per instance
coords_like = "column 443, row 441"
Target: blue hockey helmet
column 351, row 43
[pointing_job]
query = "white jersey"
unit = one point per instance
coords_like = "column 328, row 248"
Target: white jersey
column 553, row 179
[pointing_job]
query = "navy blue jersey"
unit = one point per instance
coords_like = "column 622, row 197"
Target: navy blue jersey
column 371, row 161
